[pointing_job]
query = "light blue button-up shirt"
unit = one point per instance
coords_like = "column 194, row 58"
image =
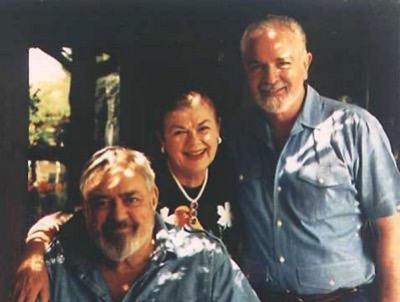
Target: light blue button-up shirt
column 185, row 266
column 306, row 206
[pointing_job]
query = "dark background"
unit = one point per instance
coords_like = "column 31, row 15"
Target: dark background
column 355, row 44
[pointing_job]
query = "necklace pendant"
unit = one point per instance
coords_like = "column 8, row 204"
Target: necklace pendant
column 193, row 220
column 194, row 205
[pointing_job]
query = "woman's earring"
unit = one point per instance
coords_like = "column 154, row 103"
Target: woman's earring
column 219, row 140
column 162, row 150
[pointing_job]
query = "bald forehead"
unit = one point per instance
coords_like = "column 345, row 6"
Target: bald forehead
column 273, row 29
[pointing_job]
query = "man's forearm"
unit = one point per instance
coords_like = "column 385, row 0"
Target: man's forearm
column 388, row 258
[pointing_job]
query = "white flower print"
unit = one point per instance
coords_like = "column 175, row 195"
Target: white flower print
column 164, row 212
column 225, row 215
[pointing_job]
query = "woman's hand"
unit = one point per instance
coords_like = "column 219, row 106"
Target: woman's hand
column 32, row 279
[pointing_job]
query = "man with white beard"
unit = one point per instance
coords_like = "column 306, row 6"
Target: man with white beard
column 127, row 253
column 313, row 175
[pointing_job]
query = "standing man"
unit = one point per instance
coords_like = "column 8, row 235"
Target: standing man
column 312, row 173
column 125, row 252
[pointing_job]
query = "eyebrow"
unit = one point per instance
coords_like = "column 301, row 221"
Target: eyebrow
column 280, row 59
column 100, row 196
column 204, row 122
column 252, row 62
column 176, row 126
column 183, row 127
column 285, row 58
column 129, row 193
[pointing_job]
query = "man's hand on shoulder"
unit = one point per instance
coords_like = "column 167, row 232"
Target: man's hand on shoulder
column 31, row 279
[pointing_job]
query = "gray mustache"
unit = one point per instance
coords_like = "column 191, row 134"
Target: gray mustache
column 112, row 225
column 269, row 87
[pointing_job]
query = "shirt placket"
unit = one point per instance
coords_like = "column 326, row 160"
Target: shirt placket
column 278, row 223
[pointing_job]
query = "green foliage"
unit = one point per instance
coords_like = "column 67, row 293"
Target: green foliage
column 47, row 126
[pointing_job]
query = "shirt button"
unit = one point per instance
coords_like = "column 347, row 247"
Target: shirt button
column 398, row 208
column 279, row 223
column 332, row 282
column 281, row 259
column 321, row 180
column 279, row 188
column 288, row 291
column 241, row 177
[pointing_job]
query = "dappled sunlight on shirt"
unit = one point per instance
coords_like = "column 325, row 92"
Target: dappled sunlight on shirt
column 184, row 244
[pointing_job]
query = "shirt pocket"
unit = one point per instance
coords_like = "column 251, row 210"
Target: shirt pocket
column 323, row 191
column 323, row 176
column 329, row 277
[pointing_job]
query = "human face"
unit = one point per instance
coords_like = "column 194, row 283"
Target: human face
column 119, row 213
column 277, row 65
column 190, row 139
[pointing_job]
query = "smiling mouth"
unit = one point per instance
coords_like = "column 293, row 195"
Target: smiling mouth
column 271, row 91
column 195, row 154
column 122, row 230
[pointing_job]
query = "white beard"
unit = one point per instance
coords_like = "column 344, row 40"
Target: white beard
column 272, row 105
column 123, row 246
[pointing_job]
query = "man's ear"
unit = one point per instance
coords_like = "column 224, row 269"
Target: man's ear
column 154, row 198
column 307, row 62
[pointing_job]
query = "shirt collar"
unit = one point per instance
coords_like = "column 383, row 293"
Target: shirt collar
column 83, row 255
column 310, row 115
column 164, row 247
column 83, row 252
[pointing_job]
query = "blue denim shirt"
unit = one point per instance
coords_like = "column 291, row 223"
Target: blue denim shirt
column 185, row 266
column 305, row 207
